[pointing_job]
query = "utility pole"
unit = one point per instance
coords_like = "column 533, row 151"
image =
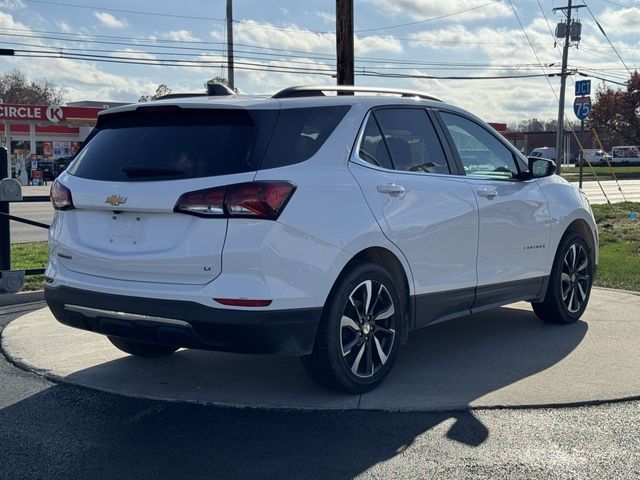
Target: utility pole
column 230, row 44
column 568, row 36
column 344, row 41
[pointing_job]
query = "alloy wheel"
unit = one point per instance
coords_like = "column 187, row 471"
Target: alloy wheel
column 367, row 328
column 575, row 279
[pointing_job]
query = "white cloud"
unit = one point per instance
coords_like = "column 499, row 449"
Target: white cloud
column 298, row 39
column 621, row 20
column 425, row 9
column 455, row 36
column 80, row 80
column 365, row 45
column 180, row 36
column 12, row 4
column 328, row 17
column 496, row 101
column 133, row 54
column 217, row 35
column 64, row 26
column 109, row 20
column 267, row 35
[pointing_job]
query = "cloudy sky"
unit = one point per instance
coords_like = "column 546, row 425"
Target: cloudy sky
column 120, row 49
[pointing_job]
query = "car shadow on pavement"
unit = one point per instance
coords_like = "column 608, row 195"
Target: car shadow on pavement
column 465, row 362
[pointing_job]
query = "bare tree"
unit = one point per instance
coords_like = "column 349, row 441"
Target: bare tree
column 15, row 88
column 161, row 91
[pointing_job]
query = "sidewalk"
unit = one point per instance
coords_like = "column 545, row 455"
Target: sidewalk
column 630, row 189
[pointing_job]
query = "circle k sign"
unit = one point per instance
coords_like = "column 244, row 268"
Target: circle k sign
column 54, row 113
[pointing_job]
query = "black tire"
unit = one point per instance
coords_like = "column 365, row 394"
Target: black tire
column 142, row 349
column 354, row 355
column 570, row 282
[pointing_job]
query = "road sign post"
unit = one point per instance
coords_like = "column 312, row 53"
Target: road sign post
column 581, row 154
column 582, row 109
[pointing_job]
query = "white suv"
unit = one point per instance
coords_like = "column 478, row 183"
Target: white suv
column 323, row 226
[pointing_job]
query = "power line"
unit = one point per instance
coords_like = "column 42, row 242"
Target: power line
column 440, row 17
column 607, row 37
column 583, row 74
column 397, row 66
column 532, row 49
column 249, row 66
column 153, row 41
column 621, row 4
column 253, row 54
column 118, row 10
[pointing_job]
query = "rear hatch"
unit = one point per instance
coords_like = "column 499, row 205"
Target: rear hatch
column 126, row 181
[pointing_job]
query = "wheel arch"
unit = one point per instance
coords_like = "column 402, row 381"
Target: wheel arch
column 582, row 228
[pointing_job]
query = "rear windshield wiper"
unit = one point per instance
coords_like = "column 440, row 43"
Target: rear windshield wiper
column 141, row 171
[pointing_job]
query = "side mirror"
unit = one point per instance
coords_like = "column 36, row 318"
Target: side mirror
column 541, row 167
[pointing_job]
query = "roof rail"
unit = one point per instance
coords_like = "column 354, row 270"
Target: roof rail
column 317, row 91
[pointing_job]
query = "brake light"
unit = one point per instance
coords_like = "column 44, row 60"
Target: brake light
column 264, row 200
column 61, row 196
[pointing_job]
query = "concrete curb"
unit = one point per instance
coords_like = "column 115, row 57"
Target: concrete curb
column 617, row 290
column 22, row 297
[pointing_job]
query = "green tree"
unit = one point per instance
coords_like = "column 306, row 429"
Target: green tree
column 616, row 113
column 161, row 91
column 15, row 88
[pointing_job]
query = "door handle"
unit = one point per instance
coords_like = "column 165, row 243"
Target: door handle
column 391, row 189
column 489, row 193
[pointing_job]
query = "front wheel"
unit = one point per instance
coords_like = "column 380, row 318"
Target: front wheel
column 569, row 284
column 357, row 340
column 142, row 349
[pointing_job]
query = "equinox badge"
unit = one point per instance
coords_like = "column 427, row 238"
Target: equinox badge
column 115, row 200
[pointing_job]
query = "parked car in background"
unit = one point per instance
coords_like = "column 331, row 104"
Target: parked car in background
column 625, row 154
column 544, row 152
column 323, row 226
column 596, row 156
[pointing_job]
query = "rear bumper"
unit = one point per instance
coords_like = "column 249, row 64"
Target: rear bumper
column 186, row 324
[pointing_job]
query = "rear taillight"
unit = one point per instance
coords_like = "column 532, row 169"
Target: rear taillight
column 61, row 196
column 264, row 200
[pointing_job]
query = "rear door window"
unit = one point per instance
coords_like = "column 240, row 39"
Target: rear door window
column 166, row 143
column 411, row 140
column 372, row 147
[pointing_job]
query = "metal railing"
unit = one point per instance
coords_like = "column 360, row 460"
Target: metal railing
column 12, row 281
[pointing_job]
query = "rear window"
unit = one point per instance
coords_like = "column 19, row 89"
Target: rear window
column 300, row 132
column 173, row 143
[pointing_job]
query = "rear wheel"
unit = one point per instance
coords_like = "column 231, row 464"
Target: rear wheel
column 358, row 338
column 142, row 349
column 569, row 284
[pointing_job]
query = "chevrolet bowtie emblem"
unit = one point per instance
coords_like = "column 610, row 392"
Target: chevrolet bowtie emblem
column 115, row 200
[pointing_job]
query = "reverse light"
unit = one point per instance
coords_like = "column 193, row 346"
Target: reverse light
column 61, row 196
column 263, row 199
